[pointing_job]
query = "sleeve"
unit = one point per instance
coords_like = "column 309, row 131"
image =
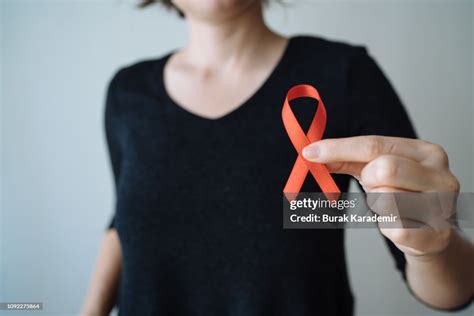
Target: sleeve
column 376, row 109
column 111, row 118
column 374, row 106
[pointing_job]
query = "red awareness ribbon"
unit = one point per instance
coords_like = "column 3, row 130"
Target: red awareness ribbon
column 301, row 140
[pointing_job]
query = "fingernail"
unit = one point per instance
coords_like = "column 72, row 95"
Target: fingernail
column 311, row 152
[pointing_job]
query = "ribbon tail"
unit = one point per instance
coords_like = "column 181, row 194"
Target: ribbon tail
column 296, row 179
column 325, row 181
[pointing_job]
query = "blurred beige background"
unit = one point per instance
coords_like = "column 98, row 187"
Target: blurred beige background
column 56, row 58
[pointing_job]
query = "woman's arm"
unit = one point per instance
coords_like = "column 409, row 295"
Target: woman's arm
column 102, row 291
column 444, row 280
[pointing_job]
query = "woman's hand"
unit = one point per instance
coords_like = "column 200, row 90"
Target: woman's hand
column 390, row 164
column 439, row 260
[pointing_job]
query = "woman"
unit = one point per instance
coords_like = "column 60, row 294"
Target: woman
column 200, row 158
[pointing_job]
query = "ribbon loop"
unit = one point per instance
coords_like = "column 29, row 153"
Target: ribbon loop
column 300, row 139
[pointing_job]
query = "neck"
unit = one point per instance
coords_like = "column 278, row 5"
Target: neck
column 215, row 44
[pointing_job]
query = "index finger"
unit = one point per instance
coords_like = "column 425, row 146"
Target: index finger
column 363, row 149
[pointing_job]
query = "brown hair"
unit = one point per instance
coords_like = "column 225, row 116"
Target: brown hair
column 169, row 4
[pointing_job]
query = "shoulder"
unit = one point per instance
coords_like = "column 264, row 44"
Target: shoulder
column 333, row 58
column 140, row 74
column 316, row 56
column 134, row 82
column 311, row 45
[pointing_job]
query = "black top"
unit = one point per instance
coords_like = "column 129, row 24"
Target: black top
column 199, row 201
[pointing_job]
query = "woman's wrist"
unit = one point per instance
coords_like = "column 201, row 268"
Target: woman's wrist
column 439, row 256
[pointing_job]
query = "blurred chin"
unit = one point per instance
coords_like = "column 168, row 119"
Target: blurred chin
column 213, row 9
